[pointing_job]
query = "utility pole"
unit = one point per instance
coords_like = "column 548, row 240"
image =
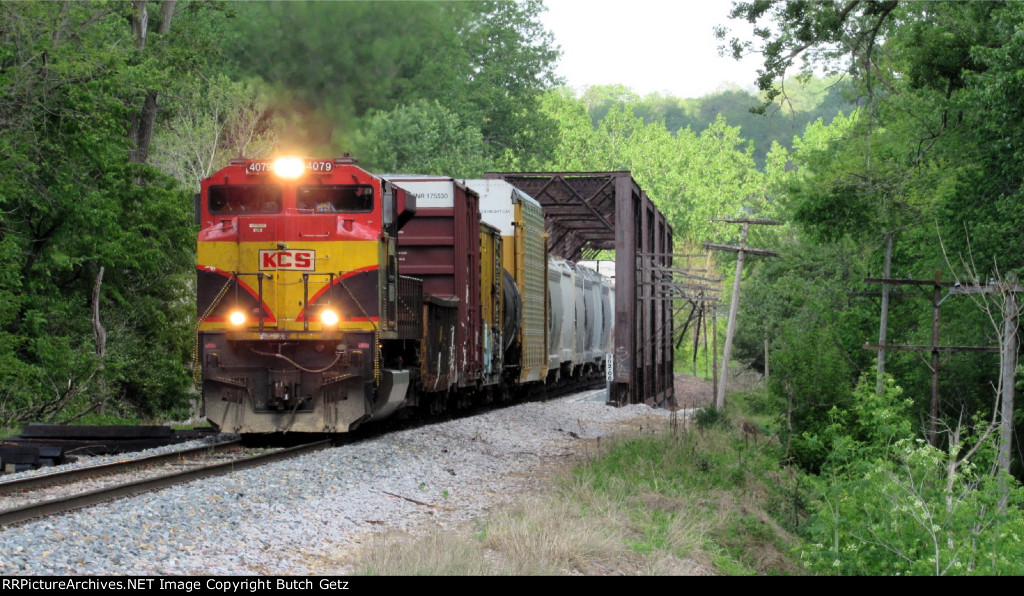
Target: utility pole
column 1008, row 363
column 884, row 325
column 740, row 251
column 1008, row 352
column 714, row 350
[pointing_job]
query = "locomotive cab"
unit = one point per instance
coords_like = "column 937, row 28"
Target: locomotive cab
column 303, row 320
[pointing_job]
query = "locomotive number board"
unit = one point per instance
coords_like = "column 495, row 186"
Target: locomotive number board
column 266, row 166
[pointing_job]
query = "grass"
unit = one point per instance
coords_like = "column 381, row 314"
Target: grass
column 697, row 500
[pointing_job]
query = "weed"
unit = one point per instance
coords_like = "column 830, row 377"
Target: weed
column 710, row 417
column 482, row 530
column 657, row 502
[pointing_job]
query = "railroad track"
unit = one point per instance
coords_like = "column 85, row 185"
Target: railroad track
column 563, row 390
column 54, row 506
column 33, row 506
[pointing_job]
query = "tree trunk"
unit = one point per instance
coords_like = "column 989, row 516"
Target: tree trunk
column 100, row 337
column 140, row 126
column 933, row 427
column 99, row 334
column 766, row 372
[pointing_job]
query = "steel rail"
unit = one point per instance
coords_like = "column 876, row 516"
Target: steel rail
column 59, row 477
column 62, row 505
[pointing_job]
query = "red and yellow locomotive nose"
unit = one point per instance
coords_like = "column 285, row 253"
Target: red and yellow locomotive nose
column 297, row 285
column 293, row 245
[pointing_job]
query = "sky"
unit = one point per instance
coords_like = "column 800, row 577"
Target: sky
column 665, row 46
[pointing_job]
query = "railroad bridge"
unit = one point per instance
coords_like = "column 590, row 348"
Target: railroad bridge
column 587, row 213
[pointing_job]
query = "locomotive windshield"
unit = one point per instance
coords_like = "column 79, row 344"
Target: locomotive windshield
column 263, row 198
column 335, row 198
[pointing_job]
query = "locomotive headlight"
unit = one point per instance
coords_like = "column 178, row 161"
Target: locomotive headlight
column 329, row 317
column 237, row 318
column 289, row 167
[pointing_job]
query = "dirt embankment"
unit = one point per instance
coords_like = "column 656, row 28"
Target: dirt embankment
column 692, row 392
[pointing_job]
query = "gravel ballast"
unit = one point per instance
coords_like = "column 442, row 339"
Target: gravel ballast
column 301, row 516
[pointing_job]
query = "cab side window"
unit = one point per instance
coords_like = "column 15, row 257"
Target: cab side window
column 265, row 198
column 335, row 198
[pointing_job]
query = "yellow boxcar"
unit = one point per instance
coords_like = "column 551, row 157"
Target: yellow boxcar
column 520, row 220
column 491, row 303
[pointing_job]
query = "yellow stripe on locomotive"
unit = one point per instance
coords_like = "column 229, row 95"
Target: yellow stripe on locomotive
column 286, row 286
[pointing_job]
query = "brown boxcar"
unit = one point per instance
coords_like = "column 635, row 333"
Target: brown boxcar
column 441, row 246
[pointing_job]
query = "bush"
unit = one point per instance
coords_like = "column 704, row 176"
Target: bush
column 906, row 515
column 711, row 417
column 887, row 503
column 809, row 378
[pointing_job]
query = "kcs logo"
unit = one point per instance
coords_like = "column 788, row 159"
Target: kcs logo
column 298, row 260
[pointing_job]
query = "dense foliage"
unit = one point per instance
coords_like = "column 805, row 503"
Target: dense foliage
column 95, row 246
column 333, row 64
column 887, row 503
column 921, row 162
column 113, row 112
column 930, row 160
column 881, row 119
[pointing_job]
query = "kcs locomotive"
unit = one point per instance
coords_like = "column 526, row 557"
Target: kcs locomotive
column 328, row 296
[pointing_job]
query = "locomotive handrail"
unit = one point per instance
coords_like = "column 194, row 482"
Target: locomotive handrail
column 259, row 282
column 305, row 295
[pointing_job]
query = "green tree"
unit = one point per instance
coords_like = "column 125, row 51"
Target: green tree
column 423, row 138
column 802, row 302
column 486, row 62
column 807, row 100
column 212, row 121
column 162, row 57
column 95, row 245
column 577, row 140
column 930, row 154
column 831, row 35
column 889, row 504
column 690, row 177
column 600, row 99
column 675, row 112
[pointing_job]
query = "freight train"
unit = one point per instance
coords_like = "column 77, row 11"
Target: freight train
column 328, row 296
